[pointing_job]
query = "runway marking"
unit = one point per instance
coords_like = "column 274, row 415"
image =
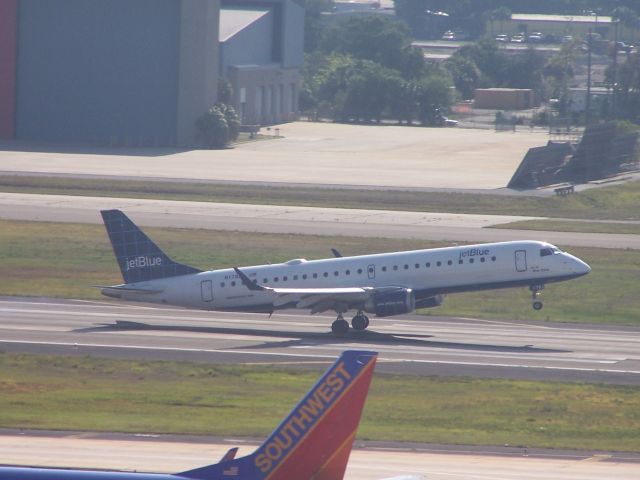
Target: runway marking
column 295, row 355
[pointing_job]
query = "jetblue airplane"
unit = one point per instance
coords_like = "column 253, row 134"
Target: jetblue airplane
column 383, row 284
column 313, row 443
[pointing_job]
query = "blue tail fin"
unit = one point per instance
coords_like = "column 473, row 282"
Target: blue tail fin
column 138, row 257
column 315, row 440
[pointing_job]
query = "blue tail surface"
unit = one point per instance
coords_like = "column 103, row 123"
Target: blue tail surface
column 139, row 258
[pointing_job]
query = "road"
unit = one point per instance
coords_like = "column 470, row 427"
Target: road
column 296, row 220
column 407, row 345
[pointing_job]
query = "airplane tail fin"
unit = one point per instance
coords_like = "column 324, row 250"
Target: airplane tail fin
column 138, row 257
column 314, row 441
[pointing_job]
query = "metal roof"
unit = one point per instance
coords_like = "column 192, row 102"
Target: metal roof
column 234, row 20
column 534, row 17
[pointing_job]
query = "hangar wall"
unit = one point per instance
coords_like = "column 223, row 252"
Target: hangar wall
column 8, row 52
column 115, row 72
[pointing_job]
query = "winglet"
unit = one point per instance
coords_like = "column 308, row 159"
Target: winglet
column 314, row 441
column 336, row 253
column 230, row 455
column 250, row 284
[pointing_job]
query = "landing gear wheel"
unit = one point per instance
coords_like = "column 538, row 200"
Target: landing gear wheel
column 360, row 322
column 537, row 305
column 536, row 290
column 340, row 326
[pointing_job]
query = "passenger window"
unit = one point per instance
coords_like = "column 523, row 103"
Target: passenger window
column 428, row 264
column 264, row 280
column 222, row 284
column 335, row 274
column 438, row 264
column 295, row 277
column 233, row 284
column 460, row 261
column 406, row 267
column 384, row 269
column 449, row 262
column 359, row 271
column 493, row 259
column 481, row 259
column 325, row 274
column 304, row 276
column 417, row 265
column 275, row 279
column 471, row 260
column 284, row 279
column 348, row 272
column 315, row 275
column 395, row 267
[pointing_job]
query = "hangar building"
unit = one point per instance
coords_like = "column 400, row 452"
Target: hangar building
column 261, row 53
column 114, row 72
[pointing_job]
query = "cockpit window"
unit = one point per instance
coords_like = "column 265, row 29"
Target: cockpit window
column 545, row 251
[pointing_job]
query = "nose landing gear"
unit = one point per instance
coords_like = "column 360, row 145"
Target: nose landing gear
column 536, row 290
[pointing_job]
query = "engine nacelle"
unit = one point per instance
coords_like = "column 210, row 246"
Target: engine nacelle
column 430, row 302
column 392, row 303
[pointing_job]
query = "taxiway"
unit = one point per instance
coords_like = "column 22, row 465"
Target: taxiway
column 296, row 220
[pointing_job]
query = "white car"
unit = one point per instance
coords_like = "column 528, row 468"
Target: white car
column 502, row 38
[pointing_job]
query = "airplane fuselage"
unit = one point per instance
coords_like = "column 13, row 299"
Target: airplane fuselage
column 426, row 273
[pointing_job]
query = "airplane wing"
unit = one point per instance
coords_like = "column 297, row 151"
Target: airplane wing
column 316, row 299
column 125, row 288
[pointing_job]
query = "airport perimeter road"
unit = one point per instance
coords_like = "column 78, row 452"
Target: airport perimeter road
column 316, row 153
column 172, row 454
column 295, row 220
column 407, row 345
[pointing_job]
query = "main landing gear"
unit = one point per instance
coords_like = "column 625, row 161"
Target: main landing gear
column 359, row 322
column 535, row 294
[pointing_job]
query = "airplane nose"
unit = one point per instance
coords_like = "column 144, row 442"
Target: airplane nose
column 581, row 268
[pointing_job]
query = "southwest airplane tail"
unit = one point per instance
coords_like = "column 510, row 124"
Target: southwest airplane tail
column 312, row 443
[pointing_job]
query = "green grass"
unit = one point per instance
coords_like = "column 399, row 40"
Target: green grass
column 63, row 260
column 573, row 226
column 42, row 392
column 616, row 202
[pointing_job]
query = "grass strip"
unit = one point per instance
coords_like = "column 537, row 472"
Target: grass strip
column 63, row 260
column 616, row 202
column 573, row 226
column 46, row 392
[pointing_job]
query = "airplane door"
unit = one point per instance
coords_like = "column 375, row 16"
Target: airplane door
column 371, row 271
column 206, row 290
column 521, row 260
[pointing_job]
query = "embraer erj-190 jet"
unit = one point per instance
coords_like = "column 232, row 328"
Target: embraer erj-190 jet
column 383, row 284
column 313, row 443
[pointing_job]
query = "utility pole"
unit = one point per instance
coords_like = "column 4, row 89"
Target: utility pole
column 588, row 99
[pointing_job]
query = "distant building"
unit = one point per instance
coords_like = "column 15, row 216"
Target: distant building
column 559, row 25
column 261, row 53
column 504, row 98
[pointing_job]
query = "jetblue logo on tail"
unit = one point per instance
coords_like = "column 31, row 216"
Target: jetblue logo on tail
column 302, row 419
column 140, row 262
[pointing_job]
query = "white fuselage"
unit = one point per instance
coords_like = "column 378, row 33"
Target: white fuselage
column 427, row 273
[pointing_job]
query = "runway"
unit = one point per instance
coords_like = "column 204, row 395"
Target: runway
column 413, row 344
column 171, row 454
column 296, row 220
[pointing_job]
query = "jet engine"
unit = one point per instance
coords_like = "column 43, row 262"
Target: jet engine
column 391, row 303
column 430, row 302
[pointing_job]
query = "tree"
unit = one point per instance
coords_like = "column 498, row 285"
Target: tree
column 218, row 126
column 376, row 38
column 465, row 75
column 433, row 95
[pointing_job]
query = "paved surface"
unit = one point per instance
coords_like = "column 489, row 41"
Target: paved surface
column 316, row 153
column 297, row 220
column 162, row 455
column 407, row 344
